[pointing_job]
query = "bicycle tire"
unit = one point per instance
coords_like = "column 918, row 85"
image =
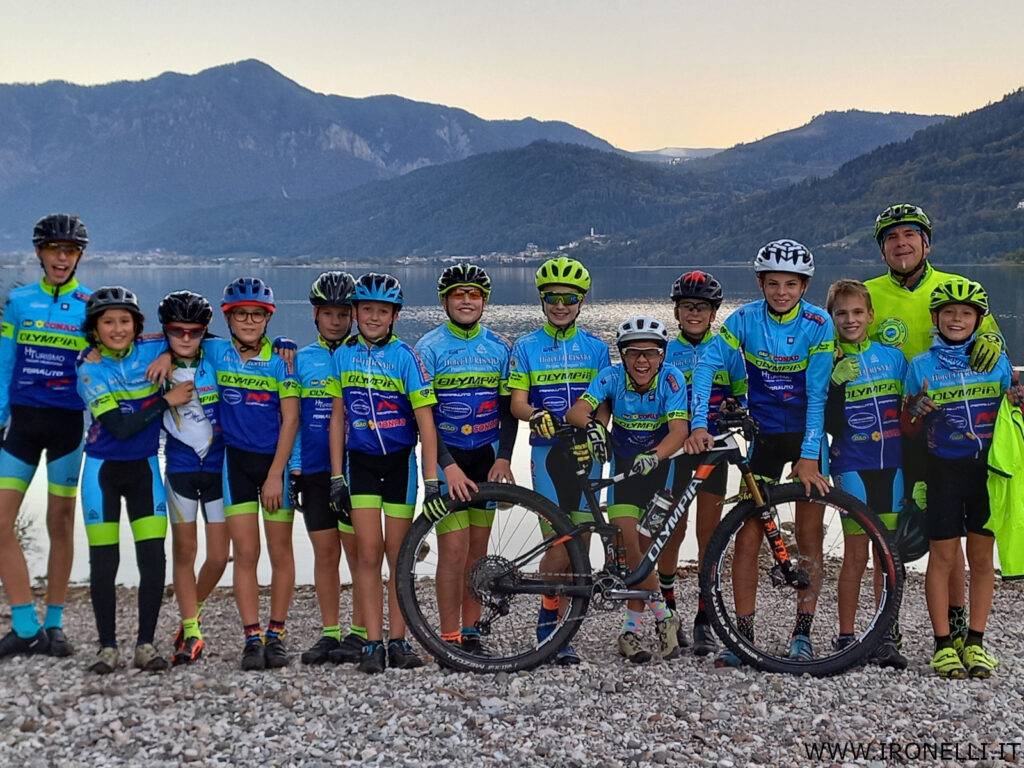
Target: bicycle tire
column 417, row 591
column 765, row 653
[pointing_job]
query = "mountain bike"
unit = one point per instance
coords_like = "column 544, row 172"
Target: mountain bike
column 508, row 582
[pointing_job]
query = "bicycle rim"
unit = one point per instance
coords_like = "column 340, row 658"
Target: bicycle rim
column 726, row 588
column 510, row 637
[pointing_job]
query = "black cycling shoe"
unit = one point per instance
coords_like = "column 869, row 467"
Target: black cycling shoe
column 12, row 645
column 276, row 653
column 703, row 640
column 471, row 643
column 374, row 658
column 320, row 651
column 59, row 645
column 254, row 656
column 681, row 639
column 349, row 651
column 888, row 655
column 402, row 656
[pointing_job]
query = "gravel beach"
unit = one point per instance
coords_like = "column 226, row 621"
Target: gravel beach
column 604, row 712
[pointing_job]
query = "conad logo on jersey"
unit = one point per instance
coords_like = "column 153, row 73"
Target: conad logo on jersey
column 360, row 408
column 555, row 403
column 862, row 420
column 231, row 396
column 455, row 410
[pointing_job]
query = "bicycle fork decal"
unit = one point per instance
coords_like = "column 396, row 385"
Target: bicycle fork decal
column 774, row 538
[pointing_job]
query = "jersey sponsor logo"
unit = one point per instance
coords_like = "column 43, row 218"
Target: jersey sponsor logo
column 447, row 426
column 890, row 413
column 467, row 429
column 673, row 383
column 814, row 318
column 360, row 424
column 985, row 417
column 360, row 408
column 455, row 410
column 892, row 332
column 258, row 398
column 858, row 437
column 231, row 396
column 386, row 405
column 487, row 407
column 391, row 423
column 957, row 421
column 862, row 420
column 553, row 403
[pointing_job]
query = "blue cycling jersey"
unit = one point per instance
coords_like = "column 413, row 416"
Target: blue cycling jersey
column 788, row 360
column 250, row 394
column 381, row 385
column 639, row 420
column 469, row 370
column 967, row 401
column 870, row 436
column 315, row 370
column 729, row 381
column 182, row 457
column 555, row 367
column 40, row 339
column 120, row 383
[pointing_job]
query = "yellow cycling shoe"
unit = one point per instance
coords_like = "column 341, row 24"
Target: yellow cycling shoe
column 946, row 662
column 979, row 662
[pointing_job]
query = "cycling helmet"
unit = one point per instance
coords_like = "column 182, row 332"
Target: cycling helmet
column 563, row 271
column 785, row 256
column 376, row 287
column 332, row 289
column 697, row 285
column 463, row 274
column 641, row 328
column 247, row 291
column 909, row 538
column 959, row 290
column 111, row 297
column 184, row 307
column 60, row 228
column 902, row 213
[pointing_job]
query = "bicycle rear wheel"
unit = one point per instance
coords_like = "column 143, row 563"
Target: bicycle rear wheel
column 526, row 526
column 763, row 639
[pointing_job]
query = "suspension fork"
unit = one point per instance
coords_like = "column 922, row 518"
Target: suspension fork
column 784, row 571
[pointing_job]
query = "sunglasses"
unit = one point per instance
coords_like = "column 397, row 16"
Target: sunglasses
column 475, row 294
column 185, row 333
column 65, row 249
column 565, row 299
column 693, row 306
column 251, row 315
column 635, row 353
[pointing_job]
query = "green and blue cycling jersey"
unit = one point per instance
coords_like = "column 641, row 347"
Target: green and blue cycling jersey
column 40, row 338
column 729, row 381
column 250, row 394
column 788, row 360
column 863, row 415
column 381, row 384
column 639, row 420
column 118, row 383
column 181, row 457
column 968, row 401
column 555, row 367
column 314, row 368
column 469, row 370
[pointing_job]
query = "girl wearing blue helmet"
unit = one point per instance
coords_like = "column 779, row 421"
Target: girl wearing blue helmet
column 385, row 405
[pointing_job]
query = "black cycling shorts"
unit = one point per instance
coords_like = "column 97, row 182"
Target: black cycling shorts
column 244, row 475
column 188, row 491
column 631, row 497
column 315, row 490
column 958, row 501
column 770, row 454
column 385, row 482
column 683, row 468
column 32, row 430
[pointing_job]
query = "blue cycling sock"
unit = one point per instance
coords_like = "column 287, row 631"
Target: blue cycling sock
column 54, row 617
column 24, row 621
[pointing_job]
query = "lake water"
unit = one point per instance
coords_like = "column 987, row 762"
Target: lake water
column 617, row 293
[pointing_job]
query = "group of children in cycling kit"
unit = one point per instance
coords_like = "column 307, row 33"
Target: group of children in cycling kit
column 332, row 429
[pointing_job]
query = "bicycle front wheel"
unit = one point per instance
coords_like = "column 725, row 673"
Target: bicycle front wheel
column 530, row 550
column 756, row 616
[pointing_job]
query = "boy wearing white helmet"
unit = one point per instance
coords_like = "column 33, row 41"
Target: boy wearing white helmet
column 648, row 403
column 787, row 344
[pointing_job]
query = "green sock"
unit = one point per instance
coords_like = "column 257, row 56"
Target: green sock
column 191, row 628
column 333, row 632
column 355, row 629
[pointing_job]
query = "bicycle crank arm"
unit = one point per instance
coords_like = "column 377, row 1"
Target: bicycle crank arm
column 543, row 588
column 630, row 594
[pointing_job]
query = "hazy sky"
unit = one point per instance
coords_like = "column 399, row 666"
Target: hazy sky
column 643, row 74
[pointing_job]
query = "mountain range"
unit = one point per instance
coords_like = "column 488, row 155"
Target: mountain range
column 128, row 155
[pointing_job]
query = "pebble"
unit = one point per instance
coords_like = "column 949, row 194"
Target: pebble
column 603, row 713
